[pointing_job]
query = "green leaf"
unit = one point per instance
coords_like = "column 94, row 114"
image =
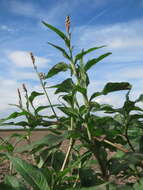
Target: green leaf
column 92, row 62
column 81, row 89
column 54, row 159
column 80, row 55
column 57, row 31
column 65, row 54
column 95, row 95
column 87, row 177
column 4, row 186
column 116, row 86
column 60, row 67
column 140, row 99
column 66, row 86
column 138, row 185
column 40, row 108
column 69, row 111
column 14, row 183
column 107, row 108
column 15, row 115
column 69, row 98
column 32, row 175
column 94, row 106
column 33, row 95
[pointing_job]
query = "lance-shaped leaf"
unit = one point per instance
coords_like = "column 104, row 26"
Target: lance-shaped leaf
column 65, row 54
column 40, row 108
column 32, row 175
column 59, row 32
column 60, row 67
column 80, row 55
column 92, row 62
column 33, row 95
column 12, row 116
column 66, row 86
column 21, row 123
column 116, row 86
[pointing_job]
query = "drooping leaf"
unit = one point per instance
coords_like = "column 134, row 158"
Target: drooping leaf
column 80, row 55
column 107, row 108
column 66, row 86
column 32, row 175
column 65, row 54
column 33, row 95
column 95, row 95
column 116, row 86
column 60, row 67
column 58, row 32
column 92, row 62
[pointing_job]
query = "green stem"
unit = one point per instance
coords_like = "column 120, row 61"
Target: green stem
column 46, row 94
column 77, row 178
column 127, row 137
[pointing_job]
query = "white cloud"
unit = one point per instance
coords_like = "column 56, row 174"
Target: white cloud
column 53, row 14
column 123, row 39
column 9, row 95
column 24, row 75
column 22, row 59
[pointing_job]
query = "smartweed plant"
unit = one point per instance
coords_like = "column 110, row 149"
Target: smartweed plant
column 104, row 151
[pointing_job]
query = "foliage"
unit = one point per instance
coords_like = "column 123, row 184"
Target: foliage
column 105, row 151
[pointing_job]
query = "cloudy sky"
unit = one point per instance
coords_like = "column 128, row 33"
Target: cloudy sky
column 115, row 23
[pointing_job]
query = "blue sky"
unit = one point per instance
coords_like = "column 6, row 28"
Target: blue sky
column 115, row 23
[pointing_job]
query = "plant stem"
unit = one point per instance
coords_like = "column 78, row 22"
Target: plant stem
column 71, row 143
column 46, row 94
column 127, row 137
column 77, row 178
column 88, row 132
column 96, row 147
column 113, row 144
